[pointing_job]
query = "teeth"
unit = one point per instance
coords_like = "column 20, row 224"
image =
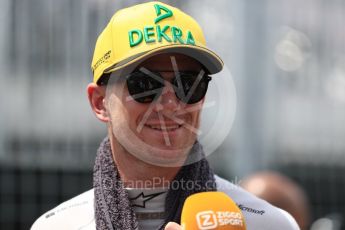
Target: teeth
column 168, row 128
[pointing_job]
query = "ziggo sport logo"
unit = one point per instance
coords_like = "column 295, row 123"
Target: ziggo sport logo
column 210, row 219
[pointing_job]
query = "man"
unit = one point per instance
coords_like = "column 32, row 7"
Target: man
column 282, row 192
column 151, row 70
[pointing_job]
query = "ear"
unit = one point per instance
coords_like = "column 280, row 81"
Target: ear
column 96, row 95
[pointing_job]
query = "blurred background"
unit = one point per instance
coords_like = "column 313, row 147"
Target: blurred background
column 287, row 59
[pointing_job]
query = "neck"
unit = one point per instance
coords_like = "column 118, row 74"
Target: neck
column 136, row 173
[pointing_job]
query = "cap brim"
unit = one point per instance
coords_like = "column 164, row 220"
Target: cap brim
column 209, row 59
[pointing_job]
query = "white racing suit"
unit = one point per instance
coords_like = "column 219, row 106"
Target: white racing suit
column 78, row 212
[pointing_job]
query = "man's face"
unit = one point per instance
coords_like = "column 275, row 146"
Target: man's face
column 163, row 130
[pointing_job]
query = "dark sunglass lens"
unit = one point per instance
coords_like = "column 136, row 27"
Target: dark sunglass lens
column 143, row 88
column 198, row 91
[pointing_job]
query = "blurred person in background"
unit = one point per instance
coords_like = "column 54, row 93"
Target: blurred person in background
column 151, row 71
column 282, row 192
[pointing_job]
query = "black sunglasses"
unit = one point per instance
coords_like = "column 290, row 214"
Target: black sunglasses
column 145, row 86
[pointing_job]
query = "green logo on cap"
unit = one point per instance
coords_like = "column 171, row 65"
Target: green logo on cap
column 152, row 34
column 159, row 8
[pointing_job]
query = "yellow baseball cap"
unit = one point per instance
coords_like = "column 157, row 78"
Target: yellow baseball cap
column 146, row 29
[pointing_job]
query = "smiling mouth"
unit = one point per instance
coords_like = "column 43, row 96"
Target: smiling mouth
column 167, row 128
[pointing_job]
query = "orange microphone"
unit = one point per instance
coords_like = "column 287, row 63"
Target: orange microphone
column 211, row 210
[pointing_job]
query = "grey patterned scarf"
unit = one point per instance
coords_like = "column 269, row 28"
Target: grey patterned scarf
column 112, row 206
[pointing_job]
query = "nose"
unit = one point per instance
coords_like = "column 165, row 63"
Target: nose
column 167, row 100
